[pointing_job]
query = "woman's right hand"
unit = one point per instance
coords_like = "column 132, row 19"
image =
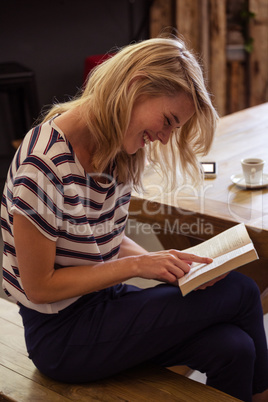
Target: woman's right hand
column 167, row 265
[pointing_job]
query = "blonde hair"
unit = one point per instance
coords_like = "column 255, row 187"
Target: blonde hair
column 153, row 67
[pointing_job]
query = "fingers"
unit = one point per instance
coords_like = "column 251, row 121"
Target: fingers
column 174, row 265
column 183, row 261
column 179, row 263
column 183, row 265
column 190, row 258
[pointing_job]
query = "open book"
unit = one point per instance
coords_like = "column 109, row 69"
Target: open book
column 229, row 250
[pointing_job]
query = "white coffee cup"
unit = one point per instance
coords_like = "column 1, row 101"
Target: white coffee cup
column 252, row 170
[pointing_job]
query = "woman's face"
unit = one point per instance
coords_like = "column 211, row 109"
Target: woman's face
column 154, row 119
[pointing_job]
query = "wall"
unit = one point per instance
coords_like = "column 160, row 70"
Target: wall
column 231, row 38
column 53, row 38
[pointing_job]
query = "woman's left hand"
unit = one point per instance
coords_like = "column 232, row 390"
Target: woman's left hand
column 212, row 282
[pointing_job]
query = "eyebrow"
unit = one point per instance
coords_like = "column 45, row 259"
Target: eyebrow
column 176, row 118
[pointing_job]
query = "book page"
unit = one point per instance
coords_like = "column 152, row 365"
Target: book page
column 199, row 269
column 230, row 239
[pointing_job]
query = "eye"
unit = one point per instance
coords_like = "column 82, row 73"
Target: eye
column 167, row 121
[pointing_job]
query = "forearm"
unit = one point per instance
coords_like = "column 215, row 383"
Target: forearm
column 93, row 278
column 75, row 281
column 67, row 282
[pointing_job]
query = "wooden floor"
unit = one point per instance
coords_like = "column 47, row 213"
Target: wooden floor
column 20, row 381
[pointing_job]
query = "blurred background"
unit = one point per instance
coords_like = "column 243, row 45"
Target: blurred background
column 53, row 40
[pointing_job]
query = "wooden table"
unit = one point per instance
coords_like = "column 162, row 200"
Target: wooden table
column 187, row 215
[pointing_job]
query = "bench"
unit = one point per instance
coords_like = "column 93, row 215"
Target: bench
column 21, row 381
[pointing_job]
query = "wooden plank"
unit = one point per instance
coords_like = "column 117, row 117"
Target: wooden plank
column 188, row 21
column 237, row 93
column 6, row 398
column 10, row 312
column 234, row 86
column 21, row 389
column 218, row 67
column 204, row 28
column 258, row 30
column 161, row 17
column 12, row 336
column 189, row 390
column 18, row 361
column 183, row 370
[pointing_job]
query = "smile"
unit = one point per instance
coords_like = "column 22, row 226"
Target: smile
column 146, row 138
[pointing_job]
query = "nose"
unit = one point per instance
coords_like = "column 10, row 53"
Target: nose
column 163, row 136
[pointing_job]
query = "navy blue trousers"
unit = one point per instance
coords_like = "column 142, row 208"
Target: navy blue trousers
column 218, row 331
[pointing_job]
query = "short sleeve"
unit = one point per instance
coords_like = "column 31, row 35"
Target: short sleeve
column 38, row 194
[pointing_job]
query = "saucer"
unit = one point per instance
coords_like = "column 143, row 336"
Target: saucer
column 239, row 180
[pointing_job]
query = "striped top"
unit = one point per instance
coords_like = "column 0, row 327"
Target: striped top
column 47, row 184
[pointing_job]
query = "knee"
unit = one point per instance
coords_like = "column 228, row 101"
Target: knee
column 244, row 349
column 247, row 284
column 246, row 289
column 230, row 345
column 238, row 349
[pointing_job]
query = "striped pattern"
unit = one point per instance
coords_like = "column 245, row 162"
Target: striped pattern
column 47, row 184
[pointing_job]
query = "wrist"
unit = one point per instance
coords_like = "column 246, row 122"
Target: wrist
column 137, row 264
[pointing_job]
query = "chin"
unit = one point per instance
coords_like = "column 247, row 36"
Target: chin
column 130, row 151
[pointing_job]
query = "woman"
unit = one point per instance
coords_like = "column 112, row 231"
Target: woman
column 63, row 217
